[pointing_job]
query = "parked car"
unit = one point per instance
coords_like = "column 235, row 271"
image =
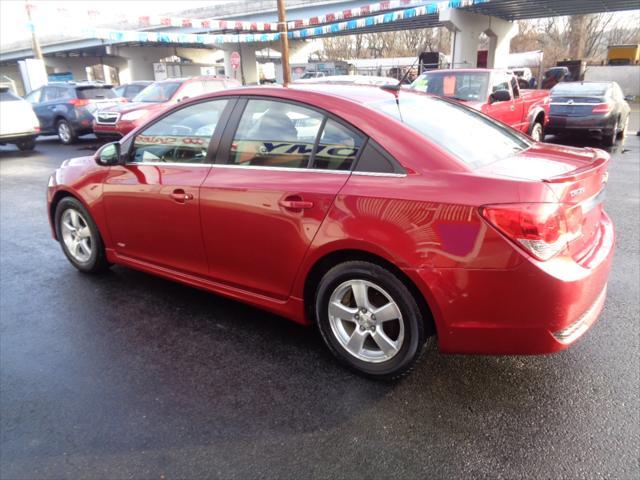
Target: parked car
column 589, row 108
column 130, row 90
column 118, row 120
column 18, row 124
column 555, row 75
column 361, row 210
column 67, row 108
column 493, row 92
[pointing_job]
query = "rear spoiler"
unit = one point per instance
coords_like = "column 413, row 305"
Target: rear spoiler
column 581, row 172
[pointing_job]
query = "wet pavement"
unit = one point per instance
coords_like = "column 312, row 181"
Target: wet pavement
column 130, row 376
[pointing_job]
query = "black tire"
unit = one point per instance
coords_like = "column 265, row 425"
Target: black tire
column 67, row 136
column 97, row 261
column 537, row 132
column 415, row 333
column 26, row 145
column 608, row 140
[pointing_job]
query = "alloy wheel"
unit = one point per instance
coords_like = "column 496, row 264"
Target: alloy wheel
column 76, row 235
column 366, row 321
column 64, row 132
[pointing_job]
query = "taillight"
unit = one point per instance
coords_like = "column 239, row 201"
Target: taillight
column 602, row 108
column 79, row 102
column 543, row 230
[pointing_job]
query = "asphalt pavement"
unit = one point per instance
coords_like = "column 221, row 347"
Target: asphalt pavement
column 130, row 376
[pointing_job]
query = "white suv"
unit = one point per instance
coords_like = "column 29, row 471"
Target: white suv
column 18, row 124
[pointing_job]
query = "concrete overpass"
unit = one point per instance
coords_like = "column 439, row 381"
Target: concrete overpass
column 133, row 53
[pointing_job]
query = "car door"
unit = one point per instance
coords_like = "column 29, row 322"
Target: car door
column 276, row 176
column 517, row 107
column 503, row 111
column 44, row 107
column 152, row 201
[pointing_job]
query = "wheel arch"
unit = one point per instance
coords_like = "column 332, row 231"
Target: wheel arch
column 331, row 259
column 57, row 198
column 537, row 116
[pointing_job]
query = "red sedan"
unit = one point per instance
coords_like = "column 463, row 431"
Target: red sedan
column 385, row 218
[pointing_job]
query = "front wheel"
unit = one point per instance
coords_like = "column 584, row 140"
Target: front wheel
column 369, row 320
column 536, row 132
column 79, row 237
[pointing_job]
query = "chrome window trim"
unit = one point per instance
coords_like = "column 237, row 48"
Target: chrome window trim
column 281, row 169
column 273, row 169
column 380, row 174
column 170, row 164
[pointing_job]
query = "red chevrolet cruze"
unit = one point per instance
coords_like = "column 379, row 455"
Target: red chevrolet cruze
column 385, row 218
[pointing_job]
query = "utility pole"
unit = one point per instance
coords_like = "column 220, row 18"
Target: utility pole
column 284, row 41
column 37, row 51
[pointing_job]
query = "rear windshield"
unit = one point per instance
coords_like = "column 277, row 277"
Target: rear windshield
column 580, row 89
column 467, row 86
column 95, row 93
column 157, row 92
column 470, row 136
column 7, row 96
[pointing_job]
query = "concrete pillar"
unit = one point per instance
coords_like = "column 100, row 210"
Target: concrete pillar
column 467, row 28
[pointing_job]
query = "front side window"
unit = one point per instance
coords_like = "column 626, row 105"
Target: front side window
column 34, row 97
column 275, row 134
column 181, row 137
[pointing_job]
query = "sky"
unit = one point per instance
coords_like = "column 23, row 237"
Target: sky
column 51, row 16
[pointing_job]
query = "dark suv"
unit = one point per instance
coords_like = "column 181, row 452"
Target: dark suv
column 67, row 108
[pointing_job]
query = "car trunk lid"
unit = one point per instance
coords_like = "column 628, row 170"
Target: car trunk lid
column 574, row 106
column 576, row 176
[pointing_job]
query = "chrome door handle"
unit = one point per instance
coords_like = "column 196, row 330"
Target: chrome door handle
column 295, row 204
column 181, row 196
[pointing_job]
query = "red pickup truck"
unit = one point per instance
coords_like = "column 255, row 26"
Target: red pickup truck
column 493, row 92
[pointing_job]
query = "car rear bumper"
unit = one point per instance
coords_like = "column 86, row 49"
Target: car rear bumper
column 18, row 137
column 592, row 124
column 534, row 308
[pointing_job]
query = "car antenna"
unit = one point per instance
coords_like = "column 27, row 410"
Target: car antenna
column 396, row 88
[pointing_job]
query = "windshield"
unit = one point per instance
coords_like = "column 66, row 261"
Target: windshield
column 95, row 93
column 157, row 92
column 470, row 136
column 580, row 89
column 467, row 86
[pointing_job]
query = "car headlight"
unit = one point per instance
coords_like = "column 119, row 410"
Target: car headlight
column 135, row 115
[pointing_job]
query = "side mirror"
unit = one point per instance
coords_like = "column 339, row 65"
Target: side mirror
column 500, row 96
column 108, row 154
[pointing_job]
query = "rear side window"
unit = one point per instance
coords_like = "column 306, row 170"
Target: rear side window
column 275, row 134
column 34, row 97
column 7, row 96
column 95, row 93
column 337, row 148
column 375, row 159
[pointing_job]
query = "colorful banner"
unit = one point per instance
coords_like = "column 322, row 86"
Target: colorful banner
column 389, row 17
column 120, row 36
column 210, row 25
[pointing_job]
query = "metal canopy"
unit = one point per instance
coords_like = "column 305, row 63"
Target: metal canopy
column 525, row 9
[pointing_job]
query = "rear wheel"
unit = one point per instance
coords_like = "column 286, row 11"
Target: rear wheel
column 610, row 139
column 536, row 132
column 66, row 133
column 79, row 237
column 369, row 320
column 26, row 145
column 625, row 126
